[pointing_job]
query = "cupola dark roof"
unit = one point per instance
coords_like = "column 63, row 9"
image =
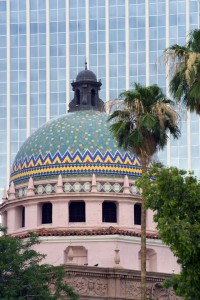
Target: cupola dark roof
column 86, row 75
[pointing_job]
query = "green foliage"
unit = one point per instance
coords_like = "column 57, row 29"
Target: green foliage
column 185, row 81
column 23, row 276
column 174, row 196
column 145, row 121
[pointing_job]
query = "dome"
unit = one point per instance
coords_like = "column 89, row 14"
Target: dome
column 86, row 75
column 75, row 144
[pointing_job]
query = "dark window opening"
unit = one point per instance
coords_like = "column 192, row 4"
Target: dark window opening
column 137, row 214
column 46, row 213
column 77, row 211
column 78, row 98
column 23, row 217
column 93, row 98
column 109, row 212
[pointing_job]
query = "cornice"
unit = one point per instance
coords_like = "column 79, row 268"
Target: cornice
column 86, row 232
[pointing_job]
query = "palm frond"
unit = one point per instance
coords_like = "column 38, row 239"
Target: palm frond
column 194, row 92
column 178, row 85
column 194, row 40
column 147, row 121
column 120, row 114
column 176, row 53
column 143, row 124
column 121, row 132
column 184, row 85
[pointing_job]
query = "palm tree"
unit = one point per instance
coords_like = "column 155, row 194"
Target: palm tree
column 142, row 126
column 185, row 82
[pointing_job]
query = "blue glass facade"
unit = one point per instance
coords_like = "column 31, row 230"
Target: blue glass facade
column 77, row 36
column 3, row 99
column 17, row 74
column 57, row 36
column 97, row 37
column 117, row 50
column 37, row 63
column 44, row 44
column 137, row 36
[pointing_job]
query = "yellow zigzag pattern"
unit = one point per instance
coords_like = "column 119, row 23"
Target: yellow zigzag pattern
column 50, row 171
column 77, row 159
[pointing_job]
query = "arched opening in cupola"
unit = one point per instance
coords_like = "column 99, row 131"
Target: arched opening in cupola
column 20, row 216
column 78, row 98
column 47, row 213
column 109, row 212
column 93, row 102
column 137, row 214
column 77, row 211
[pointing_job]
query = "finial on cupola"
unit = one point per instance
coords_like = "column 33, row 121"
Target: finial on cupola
column 59, row 184
column 4, row 197
column 94, row 184
column 31, row 188
column 126, row 187
column 85, row 65
column 11, row 195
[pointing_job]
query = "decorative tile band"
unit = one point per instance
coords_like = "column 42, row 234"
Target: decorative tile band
column 52, row 170
column 77, row 163
column 107, row 187
column 76, row 187
column 77, row 157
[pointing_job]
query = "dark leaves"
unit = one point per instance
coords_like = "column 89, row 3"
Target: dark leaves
column 23, row 276
column 174, row 196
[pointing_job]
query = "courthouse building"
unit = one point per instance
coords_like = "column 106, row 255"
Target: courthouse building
column 75, row 188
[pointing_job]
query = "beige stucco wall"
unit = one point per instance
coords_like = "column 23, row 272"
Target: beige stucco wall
column 96, row 283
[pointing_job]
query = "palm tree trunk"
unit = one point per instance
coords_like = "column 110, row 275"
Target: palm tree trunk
column 143, row 239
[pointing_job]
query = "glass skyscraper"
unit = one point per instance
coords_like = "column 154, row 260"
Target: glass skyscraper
column 44, row 44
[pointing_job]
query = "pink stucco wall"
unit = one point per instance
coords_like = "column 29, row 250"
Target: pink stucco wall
column 60, row 217
column 96, row 249
column 100, row 250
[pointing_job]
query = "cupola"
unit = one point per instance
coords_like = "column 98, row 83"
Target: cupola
column 86, row 92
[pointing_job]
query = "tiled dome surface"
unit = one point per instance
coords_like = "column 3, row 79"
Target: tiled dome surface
column 84, row 130
column 77, row 143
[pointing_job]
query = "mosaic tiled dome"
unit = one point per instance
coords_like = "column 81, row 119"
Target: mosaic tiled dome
column 76, row 144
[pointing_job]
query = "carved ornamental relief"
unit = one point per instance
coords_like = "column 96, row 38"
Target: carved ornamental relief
column 89, row 286
column 158, row 292
column 155, row 291
column 124, row 288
